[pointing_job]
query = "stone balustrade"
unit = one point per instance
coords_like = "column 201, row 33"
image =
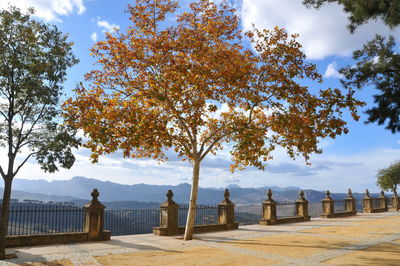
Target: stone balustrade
column 169, row 218
column 368, row 203
column 269, row 216
column 328, row 206
column 92, row 231
column 395, row 201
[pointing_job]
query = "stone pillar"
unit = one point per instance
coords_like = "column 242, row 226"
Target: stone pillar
column 226, row 211
column 94, row 218
column 169, row 215
column 302, row 207
column 269, row 210
column 395, row 201
column 327, row 206
column 350, row 203
column 383, row 204
column 367, row 203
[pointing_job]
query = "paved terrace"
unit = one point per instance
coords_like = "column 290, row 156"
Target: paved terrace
column 365, row 239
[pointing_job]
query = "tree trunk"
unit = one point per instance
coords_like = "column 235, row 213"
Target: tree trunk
column 192, row 204
column 4, row 216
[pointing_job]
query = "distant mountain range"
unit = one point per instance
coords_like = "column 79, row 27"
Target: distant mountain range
column 78, row 190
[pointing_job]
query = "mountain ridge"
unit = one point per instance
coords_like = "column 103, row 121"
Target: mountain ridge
column 80, row 188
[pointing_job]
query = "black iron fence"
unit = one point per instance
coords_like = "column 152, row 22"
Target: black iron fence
column 27, row 219
column 339, row 205
column 248, row 213
column 205, row 214
column 376, row 203
column 315, row 209
column 129, row 222
column 286, row 209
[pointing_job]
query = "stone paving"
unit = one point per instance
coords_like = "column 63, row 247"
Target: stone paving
column 365, row 239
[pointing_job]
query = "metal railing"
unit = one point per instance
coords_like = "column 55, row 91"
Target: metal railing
column 339, row 205
column 376, row 203
column 248, row 214
column 315, row 209
column 129, row 222
column 27, row 219
column 286, row 209
column 205, row 214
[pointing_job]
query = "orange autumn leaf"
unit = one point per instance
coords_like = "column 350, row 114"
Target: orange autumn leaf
column 160, row 87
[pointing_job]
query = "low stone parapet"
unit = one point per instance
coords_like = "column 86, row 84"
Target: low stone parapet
column 92, row 231
column 269, row 216
column 169, row 218
column 328, row 206
column 368, row 203
column 395, row 202
column 51, row 239
column 287, row 220
column 204, row 228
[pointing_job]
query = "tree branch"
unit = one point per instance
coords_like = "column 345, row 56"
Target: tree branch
column 22, row 139
column 26, row 159
column 202, row 156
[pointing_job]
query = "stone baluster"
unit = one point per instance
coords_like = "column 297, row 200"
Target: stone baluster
column 395, row 201
column 383, row 202
column 169, row 216
column 350, row 203
column 94, row 218
column 226, row 211
column 269, row 210
column 367, row 203
column 302, row 206
column 328, row 206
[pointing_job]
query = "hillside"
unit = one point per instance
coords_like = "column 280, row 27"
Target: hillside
column 80, row 188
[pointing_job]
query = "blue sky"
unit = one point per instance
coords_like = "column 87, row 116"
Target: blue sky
column 350, row 160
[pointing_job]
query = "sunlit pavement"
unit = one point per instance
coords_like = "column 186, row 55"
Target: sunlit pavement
column 365, row 239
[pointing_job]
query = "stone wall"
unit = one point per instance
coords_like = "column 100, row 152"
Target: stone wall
column 50, row 239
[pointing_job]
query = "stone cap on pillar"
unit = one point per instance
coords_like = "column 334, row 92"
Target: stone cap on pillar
column 169, row 200
column 328, row 195
column 382, row 194
column 94, row 203
column 301, row 197
column 367, row 194
column 269, row 197
column 394, row 192
column 226, row 200
column 350, row 194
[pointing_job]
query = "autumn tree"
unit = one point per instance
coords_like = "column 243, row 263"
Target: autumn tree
column 159, row 87
column 34, row 58
column 378, row 62
column 389, row 178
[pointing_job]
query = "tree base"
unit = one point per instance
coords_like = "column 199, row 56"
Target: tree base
column 11, row 256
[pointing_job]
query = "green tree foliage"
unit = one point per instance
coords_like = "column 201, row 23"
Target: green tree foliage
column 389, row 178
column 362, row 11
column 378, row 62
column 34, row 58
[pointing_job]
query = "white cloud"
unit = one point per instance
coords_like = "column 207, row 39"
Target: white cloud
column 106, row 26
column 49, row 10
column 328, row 171
column 331, row 71
column 322, row 32
column 93, row 36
